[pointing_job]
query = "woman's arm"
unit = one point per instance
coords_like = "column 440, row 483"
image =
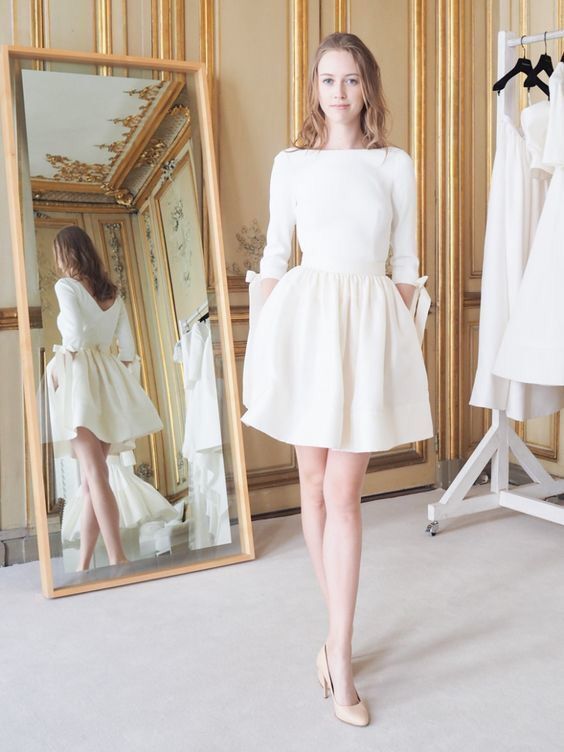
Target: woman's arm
column 69, row 321
column 124, row 336
column 405, row 262
column 276, row 253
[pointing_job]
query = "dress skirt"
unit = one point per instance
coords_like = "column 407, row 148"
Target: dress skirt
column 137, row 501
column 91, row 387
column 334, row 360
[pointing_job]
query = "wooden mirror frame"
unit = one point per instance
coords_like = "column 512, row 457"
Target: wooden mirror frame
column 211, row 192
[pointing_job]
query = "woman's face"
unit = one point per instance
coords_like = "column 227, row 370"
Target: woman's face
column 340, row 95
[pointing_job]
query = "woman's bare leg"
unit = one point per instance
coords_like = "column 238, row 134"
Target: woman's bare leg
column 91, row 454
column 311, row 465
column 342, row 544
column 89, row 528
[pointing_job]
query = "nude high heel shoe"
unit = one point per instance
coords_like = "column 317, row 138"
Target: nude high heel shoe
column 357, row 715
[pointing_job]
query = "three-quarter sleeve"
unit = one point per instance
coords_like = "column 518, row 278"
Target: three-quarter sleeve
column 124, row 335
column 69, row 320
column 276, row 253
column 404, row 260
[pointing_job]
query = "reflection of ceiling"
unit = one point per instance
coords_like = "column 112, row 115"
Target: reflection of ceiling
column 98, row 136
column 76, row 118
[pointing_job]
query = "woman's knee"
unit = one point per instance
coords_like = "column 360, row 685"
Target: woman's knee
column 95, row 473
column 311, row 466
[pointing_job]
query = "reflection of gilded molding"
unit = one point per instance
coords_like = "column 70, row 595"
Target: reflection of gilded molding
column 121, row 195
column 116, row 147
column 180, row 468
column 73, row 170
column 181, row 109
column 168, row 168
column 170, row 156
column 143, row 136
column 150, row 155
column 144, row 471
column 148, row 93
column 39, row 186
column 151, row 247
column 113, row 230
column 129, row 121
column 9, row 318
column 78, row 205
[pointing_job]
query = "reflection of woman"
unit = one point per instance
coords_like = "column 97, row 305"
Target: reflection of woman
column 336, row 366
column 95, row 399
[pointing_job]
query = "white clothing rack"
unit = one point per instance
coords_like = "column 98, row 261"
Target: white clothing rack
column 185, row 324
column 501, row 438
column 548, row 35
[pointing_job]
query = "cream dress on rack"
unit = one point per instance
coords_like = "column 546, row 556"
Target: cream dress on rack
column 532, row 349
column 519, row 185
column 335, row 359
column 87, row 385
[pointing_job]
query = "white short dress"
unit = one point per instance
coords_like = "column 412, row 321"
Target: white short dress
column 532, row 348
column 87, row 385
column 334, row 358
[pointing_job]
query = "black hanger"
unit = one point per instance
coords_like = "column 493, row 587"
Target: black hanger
column 544, row 64
column 205, row 316
column 523, row 65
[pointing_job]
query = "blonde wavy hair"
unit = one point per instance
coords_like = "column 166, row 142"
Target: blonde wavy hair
column 375, row 113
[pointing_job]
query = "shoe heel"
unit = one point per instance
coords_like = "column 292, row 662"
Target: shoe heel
column 323, row 683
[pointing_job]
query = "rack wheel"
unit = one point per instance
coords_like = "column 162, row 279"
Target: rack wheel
column 432, row 528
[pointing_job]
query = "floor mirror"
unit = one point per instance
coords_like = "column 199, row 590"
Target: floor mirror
column 119, row 150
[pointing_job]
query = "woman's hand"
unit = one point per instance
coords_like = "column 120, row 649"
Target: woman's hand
column 406, row 291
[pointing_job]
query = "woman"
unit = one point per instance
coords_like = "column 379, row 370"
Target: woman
column 96, row 402
column 335, row 366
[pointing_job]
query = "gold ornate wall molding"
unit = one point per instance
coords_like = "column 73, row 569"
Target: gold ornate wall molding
column 104, row 33
column 341, row 15
column 9, row 319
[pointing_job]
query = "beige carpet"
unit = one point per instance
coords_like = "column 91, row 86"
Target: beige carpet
column 459, row 647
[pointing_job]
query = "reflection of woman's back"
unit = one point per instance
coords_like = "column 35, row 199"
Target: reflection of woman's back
column 95, row 389
column 96, row 403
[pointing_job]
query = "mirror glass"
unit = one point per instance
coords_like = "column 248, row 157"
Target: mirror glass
column 128, row 351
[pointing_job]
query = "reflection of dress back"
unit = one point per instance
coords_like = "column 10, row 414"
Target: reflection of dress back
column 89, row 386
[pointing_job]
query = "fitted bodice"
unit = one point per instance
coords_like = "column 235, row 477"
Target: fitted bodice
column 83, row 323
column 349, row 206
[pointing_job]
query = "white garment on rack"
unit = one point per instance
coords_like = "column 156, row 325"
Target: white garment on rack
column 517, row 191
column 202, row 445
column 532, row 349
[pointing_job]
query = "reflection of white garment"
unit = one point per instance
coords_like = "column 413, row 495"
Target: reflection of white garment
column 202, row 440
column 532, row 349
column 94, row 389
column 138, row 502
column 203, row 429
column 208, row 500
column 516, row 197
